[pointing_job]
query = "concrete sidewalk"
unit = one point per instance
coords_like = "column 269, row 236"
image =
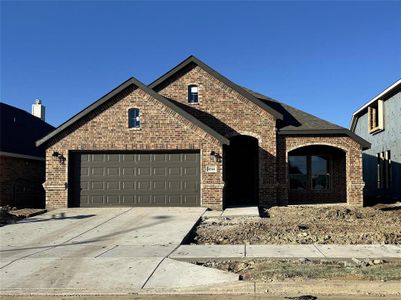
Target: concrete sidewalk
column 206, row 252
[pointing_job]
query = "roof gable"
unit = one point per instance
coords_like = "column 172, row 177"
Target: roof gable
column 386, row 94
column 155, row 85
column 131, row 81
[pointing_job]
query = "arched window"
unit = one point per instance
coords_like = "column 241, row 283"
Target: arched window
column 192, row 93
column 133, row 118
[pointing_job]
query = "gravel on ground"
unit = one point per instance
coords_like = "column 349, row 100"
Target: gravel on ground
column 11, row 215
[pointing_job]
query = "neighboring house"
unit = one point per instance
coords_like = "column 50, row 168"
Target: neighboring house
column 379, row 122
column 22, row 164
column 194, row 138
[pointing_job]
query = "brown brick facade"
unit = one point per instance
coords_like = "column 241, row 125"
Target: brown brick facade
column 107, row 129
column 233, row 115
column 21, row 182
column 220, row 107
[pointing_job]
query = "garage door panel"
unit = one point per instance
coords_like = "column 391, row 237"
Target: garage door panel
column 174, row 171
column 113, row 199
column 97, row 171
column 143, row 200
column 159, row 171
column 136, row 179
column 190, row 186
column 159, row 200
column 128, row 200
column 113, row 186
column 98, row 157
column 128, row 171
column 144, row 171
column 113, row 157
column 191, row 157
column 190, row 171
column 175, row 200
column 143, row 185
column 96, row 199
column 175, row 158
column 97, row 185
column 189, row 199
column 114, row 171
column 159, row 186
column 159, row 157
column 84, row 171
column 128, row 157
column 129, row 185
column 84, row 185
column 174, row 186
column 143, row 157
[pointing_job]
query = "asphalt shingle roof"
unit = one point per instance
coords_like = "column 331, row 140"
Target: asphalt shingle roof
column 293, row 118
column 19, row 130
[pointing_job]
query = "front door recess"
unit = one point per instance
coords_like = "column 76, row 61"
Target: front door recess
column 241, row 171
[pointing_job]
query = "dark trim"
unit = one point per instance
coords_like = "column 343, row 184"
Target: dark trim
column 214, row 73
column 364, row 144
column 120, row 88
column 136, row 151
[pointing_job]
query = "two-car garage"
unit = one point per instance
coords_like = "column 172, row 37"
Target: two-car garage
column 105, row 179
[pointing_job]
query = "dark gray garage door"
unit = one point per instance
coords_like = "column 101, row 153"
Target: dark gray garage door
column 134, row 179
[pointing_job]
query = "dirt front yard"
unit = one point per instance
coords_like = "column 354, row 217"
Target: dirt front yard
column 306, row 225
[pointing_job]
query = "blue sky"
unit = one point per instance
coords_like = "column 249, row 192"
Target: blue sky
column 327, row 58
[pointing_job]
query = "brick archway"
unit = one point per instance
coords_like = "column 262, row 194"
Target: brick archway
column 353, row 163
column 316, row 174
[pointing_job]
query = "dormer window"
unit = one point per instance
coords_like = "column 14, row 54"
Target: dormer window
column 375, row 116
column 192, row 94
column 134, row 118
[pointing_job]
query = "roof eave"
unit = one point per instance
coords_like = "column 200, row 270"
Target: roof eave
column 132, row 81
column 364, row 143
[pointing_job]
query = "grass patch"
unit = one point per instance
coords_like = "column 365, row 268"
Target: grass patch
column 269, row 270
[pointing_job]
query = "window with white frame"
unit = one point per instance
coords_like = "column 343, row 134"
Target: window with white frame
column 134, row 118
column 193, row 94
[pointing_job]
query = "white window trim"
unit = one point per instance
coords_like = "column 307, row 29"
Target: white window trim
column 198, row 86
column 140, row 121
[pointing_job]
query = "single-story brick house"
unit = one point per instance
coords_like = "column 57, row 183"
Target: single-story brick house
column 22, row 164
column 195, row 138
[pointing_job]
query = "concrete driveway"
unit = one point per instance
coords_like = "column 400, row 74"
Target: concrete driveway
column 100, row 250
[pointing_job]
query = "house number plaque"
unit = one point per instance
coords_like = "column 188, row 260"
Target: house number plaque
column 211, row 169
